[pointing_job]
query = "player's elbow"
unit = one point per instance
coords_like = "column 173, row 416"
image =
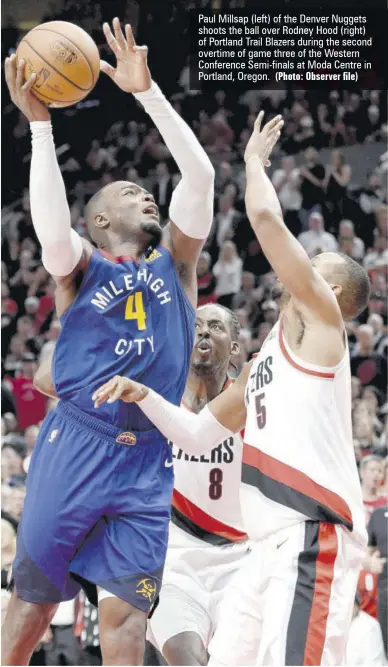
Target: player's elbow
column 208, row 172
column 204, row 173
column 42, row 382
column 260, row 215
column 61, row 258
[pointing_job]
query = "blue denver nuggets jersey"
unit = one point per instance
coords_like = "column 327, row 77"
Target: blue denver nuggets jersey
column 130, row 319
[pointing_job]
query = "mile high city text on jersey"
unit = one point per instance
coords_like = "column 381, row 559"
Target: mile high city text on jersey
column 113, row 289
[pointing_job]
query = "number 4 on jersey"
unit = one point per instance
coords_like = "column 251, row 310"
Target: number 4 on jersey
column 134, row 310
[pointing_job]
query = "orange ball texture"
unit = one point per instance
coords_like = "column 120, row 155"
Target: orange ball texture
column 65, row 59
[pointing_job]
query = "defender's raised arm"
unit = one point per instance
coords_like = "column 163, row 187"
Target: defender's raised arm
column 285, row 254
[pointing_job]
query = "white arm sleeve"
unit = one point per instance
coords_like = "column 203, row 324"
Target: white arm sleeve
column 193, row 433
column 61, row 245
column 191, row 207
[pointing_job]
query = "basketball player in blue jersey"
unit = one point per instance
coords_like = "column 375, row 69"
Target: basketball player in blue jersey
column 100, row 482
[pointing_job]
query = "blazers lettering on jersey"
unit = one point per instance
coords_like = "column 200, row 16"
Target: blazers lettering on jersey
column 290, row 487
column 190, row 518
column 223, row 453
column 260, row 378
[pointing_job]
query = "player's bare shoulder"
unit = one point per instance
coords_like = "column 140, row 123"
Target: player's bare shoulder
column 67, row 286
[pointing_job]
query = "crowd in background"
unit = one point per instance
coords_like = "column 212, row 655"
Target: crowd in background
column 108, row 137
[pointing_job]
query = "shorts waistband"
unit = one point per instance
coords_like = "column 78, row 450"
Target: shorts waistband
column 105, row 430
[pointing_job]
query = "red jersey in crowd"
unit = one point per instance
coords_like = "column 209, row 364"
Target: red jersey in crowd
column 29, row 402
column 371, row 505
column 206, row 289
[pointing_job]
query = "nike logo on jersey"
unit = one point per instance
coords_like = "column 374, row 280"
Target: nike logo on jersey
column 281, row 543
column 168, row 464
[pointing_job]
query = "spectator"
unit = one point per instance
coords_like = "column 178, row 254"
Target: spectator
column 5, row 598
column 224, row 177
column 369, row 366
column 377, row 533
column 228, row 272
column 378, row 257
column 378, row 303
column 206, row 280
column 30, row 403
column 89, row 634
column 11, row 462
column 312, row 175
column 63, row 649
column 226, row 220
column 381, row 213
column 372, row 475
column 162, row 189
column 380, row 338
column 10, row 422
column 325, row 125
column 262, row 333
column 286, row 182
column 30, row 435
column 270, row 311
column 8, row 550
column 16, row 501
column 31, row 306
column 133, row 176
column 316, row 239
column 336, row 182
column 364, row 433
column 370, row 397
column 51, row 338
column 365, row 643
column 372, row 127
column 247, row 296
column 304, row 135
column 346, row 234
column 371, row 196
column 255, row 261
column 356, row 389
column 354, row 119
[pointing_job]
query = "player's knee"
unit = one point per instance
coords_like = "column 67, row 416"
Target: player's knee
column 28, row 612
column 185, row 649
column 125, row 636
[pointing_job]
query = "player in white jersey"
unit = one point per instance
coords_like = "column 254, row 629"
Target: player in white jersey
column 207, row 542
column 301, row 496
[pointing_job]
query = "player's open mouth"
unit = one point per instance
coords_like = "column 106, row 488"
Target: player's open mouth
column 204, row 346
column 152, row 209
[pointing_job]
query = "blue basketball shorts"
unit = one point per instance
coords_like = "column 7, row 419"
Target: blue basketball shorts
column 96, row 513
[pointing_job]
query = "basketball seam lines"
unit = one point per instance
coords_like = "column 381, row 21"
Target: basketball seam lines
column 42, row 29
column 52, row 99
column 84, row 90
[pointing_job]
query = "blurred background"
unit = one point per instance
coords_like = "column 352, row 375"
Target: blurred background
column 330, row 173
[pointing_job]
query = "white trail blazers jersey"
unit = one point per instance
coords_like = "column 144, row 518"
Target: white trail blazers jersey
column 298, row 456
column 206, row 498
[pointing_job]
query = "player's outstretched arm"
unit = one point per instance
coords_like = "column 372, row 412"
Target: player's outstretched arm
column 285, row 254
column 191, row 208
column 62, row 248
column 195, row 433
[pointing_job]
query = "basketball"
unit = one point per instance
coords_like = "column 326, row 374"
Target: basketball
column 65, row 59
